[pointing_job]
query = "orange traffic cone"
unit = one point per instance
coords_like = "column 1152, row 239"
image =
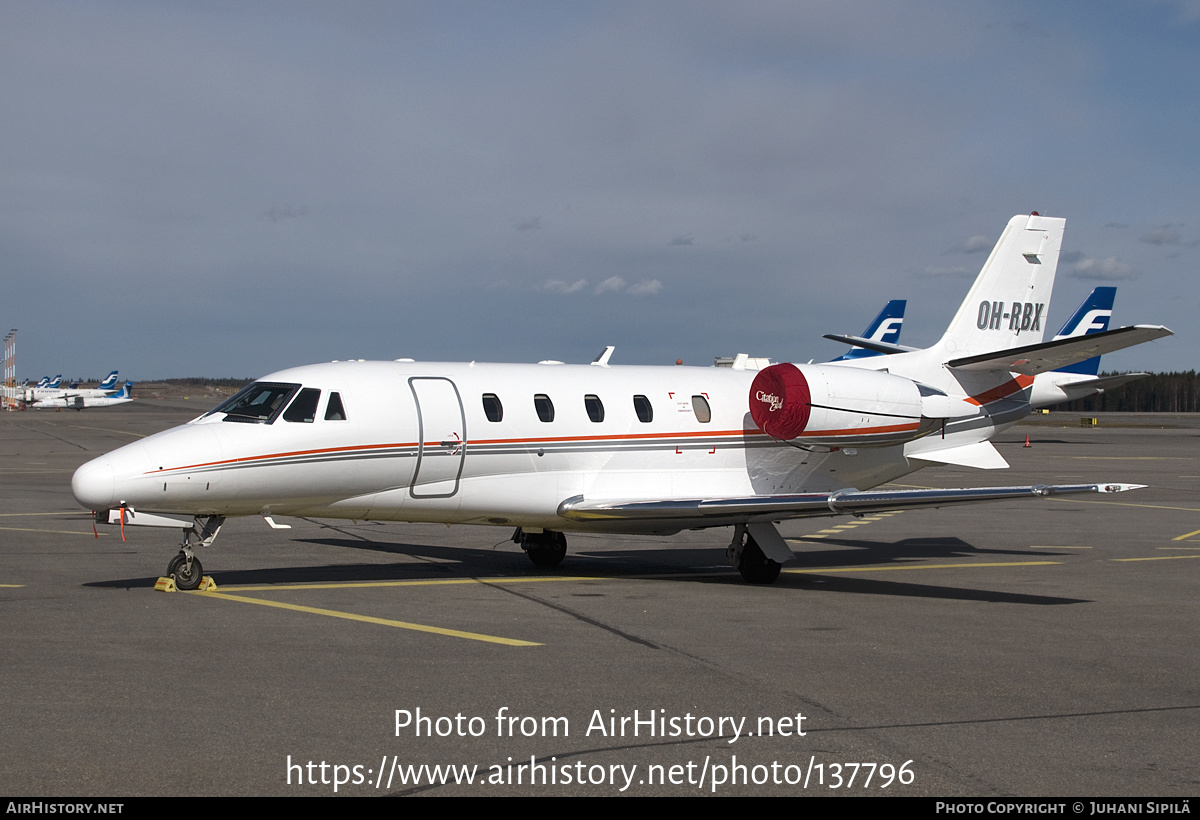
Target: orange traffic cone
column 1026, row 439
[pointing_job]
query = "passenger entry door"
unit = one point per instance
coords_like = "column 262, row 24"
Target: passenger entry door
column 442, row 437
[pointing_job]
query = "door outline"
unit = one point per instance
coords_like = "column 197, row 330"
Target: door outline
column 438, row 471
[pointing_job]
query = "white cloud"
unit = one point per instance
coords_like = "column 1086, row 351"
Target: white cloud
column 647, row 287
column 613, row 283
column 1161, row 236
column 558, row 286
column 1102, row 269
column 977, row 243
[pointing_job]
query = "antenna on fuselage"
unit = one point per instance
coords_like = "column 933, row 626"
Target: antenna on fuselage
column 602, row 359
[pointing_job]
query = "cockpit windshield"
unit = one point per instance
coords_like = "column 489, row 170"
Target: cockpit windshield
column 258, row 403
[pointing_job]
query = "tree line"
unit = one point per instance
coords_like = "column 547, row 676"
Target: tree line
column 1155, row 393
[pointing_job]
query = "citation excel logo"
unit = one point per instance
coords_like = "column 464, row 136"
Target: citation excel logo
column 767, row 398
column 1021, row 316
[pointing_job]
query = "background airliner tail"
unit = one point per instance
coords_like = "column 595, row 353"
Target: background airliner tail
column 1092, row 316
column 884, row 329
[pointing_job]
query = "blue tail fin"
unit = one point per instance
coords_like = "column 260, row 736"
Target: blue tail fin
column 885, row 328
column 1091, row 317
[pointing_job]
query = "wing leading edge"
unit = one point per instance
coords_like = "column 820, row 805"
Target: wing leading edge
column 719, row 512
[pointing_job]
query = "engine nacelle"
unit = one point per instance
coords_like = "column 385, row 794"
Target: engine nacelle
column 837, row 406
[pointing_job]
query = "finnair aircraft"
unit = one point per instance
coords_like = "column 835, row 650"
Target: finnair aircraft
column 81, row 399
column 551, row 448
column 51, row 391
column 885, row 329
column 1082, row 379
column 46, row 388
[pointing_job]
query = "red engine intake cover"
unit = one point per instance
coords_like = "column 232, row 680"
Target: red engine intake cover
column 780, row 401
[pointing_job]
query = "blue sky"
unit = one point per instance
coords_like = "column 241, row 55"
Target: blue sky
column 228, row 189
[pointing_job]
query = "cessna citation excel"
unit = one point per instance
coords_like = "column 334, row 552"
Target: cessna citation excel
column 551, row 448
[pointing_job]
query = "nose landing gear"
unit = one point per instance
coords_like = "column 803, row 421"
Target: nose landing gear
column 185, row 568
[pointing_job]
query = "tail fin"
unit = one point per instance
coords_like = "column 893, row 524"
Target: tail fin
column 1006, row 307
column 110, row 381
column 885, row 328
column 1092, row 317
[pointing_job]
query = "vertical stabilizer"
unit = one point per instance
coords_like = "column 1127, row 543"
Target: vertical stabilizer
column 885, row 328
column 1092, row 316
column 1007, row 305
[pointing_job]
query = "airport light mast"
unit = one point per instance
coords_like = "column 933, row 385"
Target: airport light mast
column 10, row 370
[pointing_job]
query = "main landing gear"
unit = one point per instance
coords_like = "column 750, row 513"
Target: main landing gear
column 546, row 548
column 745, row 554
column 185, row 568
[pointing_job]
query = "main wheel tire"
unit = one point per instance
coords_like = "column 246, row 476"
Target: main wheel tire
column 755, row 567
column 548, row 552
column 178, row 569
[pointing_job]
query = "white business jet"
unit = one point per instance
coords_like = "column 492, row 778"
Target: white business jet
column 552, row 448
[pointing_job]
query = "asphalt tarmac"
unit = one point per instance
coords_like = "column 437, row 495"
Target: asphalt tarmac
column 1033, row 648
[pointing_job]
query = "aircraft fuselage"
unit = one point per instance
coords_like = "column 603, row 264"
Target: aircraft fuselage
column 484, row 444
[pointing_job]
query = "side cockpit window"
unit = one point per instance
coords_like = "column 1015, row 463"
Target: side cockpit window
column 334, row 410
column 304, row 408
column 257, row 403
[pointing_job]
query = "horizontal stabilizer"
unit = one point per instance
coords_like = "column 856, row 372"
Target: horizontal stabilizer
column 1108, row 382
column 1046, row 356
column 870, row 344
column 981, row 455
column 719, row 512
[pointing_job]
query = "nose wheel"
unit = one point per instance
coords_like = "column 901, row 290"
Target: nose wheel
column 186, row 571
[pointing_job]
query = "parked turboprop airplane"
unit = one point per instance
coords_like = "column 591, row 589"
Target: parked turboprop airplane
column 549, row 448
column 79, row 399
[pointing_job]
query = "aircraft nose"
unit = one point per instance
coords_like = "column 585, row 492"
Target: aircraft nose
column 93, row 484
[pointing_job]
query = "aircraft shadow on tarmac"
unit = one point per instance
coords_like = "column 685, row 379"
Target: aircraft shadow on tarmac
column 702, row 564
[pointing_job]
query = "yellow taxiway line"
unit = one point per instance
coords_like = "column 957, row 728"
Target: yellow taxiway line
column 1158, row 558
column 56, row 532
column 827, row 570
column 423, row 583
column 350, row 616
